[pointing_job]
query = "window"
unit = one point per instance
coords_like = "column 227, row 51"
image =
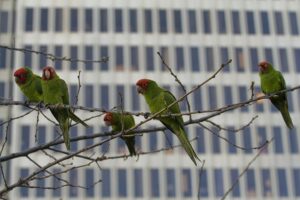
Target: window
column 25, row 135
column 170, row 180
column 250, row 22
column 44, row 19
column 73, row 134
column 41, row 134
column 262, row 137
column 154, row 178
column 179, row 54
column 293, row 23
column 277, row 144
column 89, row 182
column 163, row 26
column 58, row 51
column 164, row 51
column 122, row 183
column 279, row 28
column 73, row 20
column 40, row 183
column 297, row 59
column 138, row 182
column 206, row 22
column 3, row 21
column 239, row 59
column 221, row 21
column 73, row 180
column 197, row 98
column 209, row 56
column 186, row 182
column 282, row 183
column 234, row 175
column 227, row 91
column 89, row 95
column 200, row 140
column 148, row 21
column 283, row 60
column 149, row 58
column 224, row 58
column 203, row 186
column 88, row 51
column 216, row 148
column 250, row 183
column 268, row 54
column 104, row 148
column 43, row 58
column 88, row 132
column 232, row 139
column 135, row 99
column 265, row 26
column 253, row 54
column 103, row 19
column 293, row 141
column 212, row 97
column 243, row 97
column 192, row 22
column 88, row 19
column 56, row 183
column 106, row 188
column 134, row 58
column 120, row 90
column 58, row 19
column 74, row 56
column 152, row 140
column 2, row 92
column 119, row 58
column 194, row 53
column 27, row 57
column 259, row 106
column 169, row 138
column 247, row 140
column 104, row 53
column 133, row 21
column 177, row 21
column 104, row 97
column 296, row 179
column 73, row 93
column 182, row 104
column 236, row 25
column 24, row 172
column 29, row 16
column 266, row 183
column 218, row 182
column 118, row 20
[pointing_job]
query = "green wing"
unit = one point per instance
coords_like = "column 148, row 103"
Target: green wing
column 168, row 99
column 38, row 84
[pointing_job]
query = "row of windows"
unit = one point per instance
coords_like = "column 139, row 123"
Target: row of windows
column 175, row 21
column 284, row 141
column 272, row 182
column 190, row 58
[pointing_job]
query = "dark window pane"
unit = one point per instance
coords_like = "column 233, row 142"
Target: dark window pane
column 236, row 25
column 58, row 51
column 254, row 59
column 247, row 140
column 120, row 91
column 293, row 23
column 119, row 58
column 262, row 137
column 227, row 95
column 234, row 175
column 224, row 58
column 192, row 22
column 41, row 135
column 106, row 178
column 2, row 94
column 221, row 22
column 283, row 60
column 89, row 181
column 186, row 183
column 171, row 187
column 88, row 56
column 148, row 21
column 135, row 100
column 133, row 20
column 42, row 58
column 259, row 106
column 266, row 183
column 212, row 97
column 89, row 95
column 293, row 141
column 74, row 20
column 25, row 137
column 209, row 55
column 104, row 97
column 239, row 59
column 56, row 183
column 24, row 192
column 3, row 21
column 200, row 140
column 179, row 54
column 250, row 22
column 58, row 20
column 243, row 97
column 73, row 180
column 296, row 179
column 194, row 53
column 216, row 148
column 164, row 51
column 27, row 56
column 278, row 20
column 197, row 97
column 203, row 186
column 250, row 183
column 282, row 183
column 73, row 93
column 40, row 183
column 154, row 178
column 138, row 182
column 118, row 20
column 218, row 182
column 232, row 139
column 297, row 59
column 268, row 54
column 163, row 26
column 134, row 58
column 73, row 55
column 103, row 20
column 277, row 144
column 149, row 58
column 73, row 134
column 44, row 19
column 206, row 22
column 177, row 21
column 29, row 15
column 122, row 183
column 169, row 138
column 88, row 20
column 265, row 25
column 88, row 132
column 104, row 53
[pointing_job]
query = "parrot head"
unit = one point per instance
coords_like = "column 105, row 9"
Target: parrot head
column 48, row 73
column 108, row 119
column 142, row 85
column 264, row 66
column 22, row 75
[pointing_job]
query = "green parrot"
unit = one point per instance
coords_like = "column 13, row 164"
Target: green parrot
column 157, row 99
column 272, row 81
column 55, row 91
column 115, row 119
column 29, row 83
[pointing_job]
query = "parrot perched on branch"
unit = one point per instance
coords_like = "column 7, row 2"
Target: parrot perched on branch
column 29, row 83
column 272, row 81
column 55, row 91
column 157, row 99
column 117, row 121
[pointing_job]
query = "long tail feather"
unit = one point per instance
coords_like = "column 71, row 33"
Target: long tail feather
column 286, row 117
column 77, row 119
column 130, row 141
column 65, row 132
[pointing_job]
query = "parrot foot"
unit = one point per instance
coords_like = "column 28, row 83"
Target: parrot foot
column 146, row 115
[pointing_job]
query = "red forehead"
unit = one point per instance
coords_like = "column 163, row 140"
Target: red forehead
column 264, row 62
column 20, row 71
column 143, row 82
column 108, row 116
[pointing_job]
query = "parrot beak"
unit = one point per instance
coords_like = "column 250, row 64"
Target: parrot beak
column 107, row 120
column 140, row 89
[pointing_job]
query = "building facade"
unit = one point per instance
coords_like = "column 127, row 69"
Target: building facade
column 194, row 37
